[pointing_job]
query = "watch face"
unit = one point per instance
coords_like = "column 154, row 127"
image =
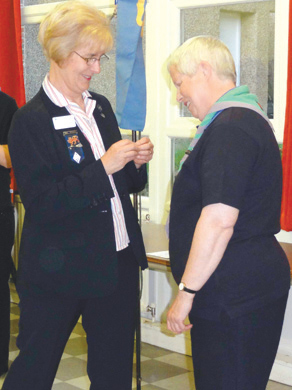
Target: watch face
column 181, row 286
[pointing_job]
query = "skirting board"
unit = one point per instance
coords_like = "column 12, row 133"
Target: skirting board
column 157, row 334
column 282, row 369
column 282, row 372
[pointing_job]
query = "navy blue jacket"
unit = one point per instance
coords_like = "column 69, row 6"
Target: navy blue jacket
column 68, row 244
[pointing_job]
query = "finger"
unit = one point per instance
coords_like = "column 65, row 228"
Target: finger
column 130, row 154
column 145, row 151
column 123, row 144
column 170, row 326
column 183, row 328
column 124, row 141
column 142, row 160
column 128, row 148
column 142, row 141
column 146, row 146
column 144, row 154
column 175, row 327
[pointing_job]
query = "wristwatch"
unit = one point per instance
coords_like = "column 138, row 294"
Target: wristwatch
column 182, row 287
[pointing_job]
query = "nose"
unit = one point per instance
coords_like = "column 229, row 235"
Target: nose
column 96, row 67
column 178, row 96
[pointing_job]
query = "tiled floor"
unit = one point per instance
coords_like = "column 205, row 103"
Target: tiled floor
column 161, row 369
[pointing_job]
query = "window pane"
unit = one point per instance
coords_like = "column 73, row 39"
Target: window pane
column 256, row 42
column 179, row 147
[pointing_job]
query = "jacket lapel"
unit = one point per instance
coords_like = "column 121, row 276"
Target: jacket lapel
column 102, row 125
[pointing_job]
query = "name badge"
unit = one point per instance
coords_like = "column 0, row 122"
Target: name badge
column 74, row 145
column 64, row 122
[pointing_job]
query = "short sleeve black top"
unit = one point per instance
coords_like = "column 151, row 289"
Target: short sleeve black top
column 235, row 162
column 7, row 109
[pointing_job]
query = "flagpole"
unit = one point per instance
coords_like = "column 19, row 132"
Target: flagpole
column 131, row 104
column 137, row 207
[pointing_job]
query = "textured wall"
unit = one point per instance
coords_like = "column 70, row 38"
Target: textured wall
column 36, row 65
column 35, row 2
column 257, row 43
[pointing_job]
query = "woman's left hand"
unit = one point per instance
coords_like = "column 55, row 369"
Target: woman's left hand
column 179, row 311
column 145, row 151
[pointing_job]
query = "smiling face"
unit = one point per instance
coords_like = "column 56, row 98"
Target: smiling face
column 192, row 91
column 72, row 77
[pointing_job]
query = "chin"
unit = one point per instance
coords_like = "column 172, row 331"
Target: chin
column 194, row 114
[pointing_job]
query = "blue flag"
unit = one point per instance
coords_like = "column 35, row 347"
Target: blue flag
column 130, row 68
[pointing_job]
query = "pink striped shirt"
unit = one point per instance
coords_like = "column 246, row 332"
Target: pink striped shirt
column 88, row 126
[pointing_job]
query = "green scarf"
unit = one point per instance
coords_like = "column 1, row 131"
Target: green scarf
column 235, row 97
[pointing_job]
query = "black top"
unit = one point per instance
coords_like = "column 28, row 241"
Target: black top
column 235, row 162
column 7, row 109
column 68, row 242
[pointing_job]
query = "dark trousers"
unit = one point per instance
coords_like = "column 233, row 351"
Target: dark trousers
column 109, row 322
column 238, row 353
column 6, row 243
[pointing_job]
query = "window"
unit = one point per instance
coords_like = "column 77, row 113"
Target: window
column 248, row 29
column 179, row 147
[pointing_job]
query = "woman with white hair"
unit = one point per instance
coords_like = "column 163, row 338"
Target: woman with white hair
column 232, row 273
column 81, row 243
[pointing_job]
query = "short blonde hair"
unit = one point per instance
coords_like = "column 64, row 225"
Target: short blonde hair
column 187, row 57
column 73, row 24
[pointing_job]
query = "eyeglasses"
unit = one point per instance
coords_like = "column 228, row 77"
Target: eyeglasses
column 92, row 60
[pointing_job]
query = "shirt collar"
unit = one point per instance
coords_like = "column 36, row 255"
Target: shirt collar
column 57, row 97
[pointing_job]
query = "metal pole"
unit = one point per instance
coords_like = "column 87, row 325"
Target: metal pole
column 137, row 207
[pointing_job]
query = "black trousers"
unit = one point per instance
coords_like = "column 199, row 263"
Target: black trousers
column 238, row 353
column 6, row 243
column 109, row 322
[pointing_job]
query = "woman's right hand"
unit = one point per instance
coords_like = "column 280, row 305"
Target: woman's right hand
column 118, row 155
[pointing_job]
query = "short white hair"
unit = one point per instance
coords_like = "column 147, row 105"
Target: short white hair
column 187, row 57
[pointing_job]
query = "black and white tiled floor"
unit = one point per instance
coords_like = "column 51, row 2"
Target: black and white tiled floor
column 161, row 369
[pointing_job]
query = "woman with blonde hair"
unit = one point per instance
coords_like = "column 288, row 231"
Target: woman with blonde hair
column 81, row 244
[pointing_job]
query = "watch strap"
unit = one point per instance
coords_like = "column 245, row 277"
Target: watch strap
column 189, row 290
column 183, row 287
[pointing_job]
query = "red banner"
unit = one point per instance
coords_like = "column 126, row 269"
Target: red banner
column 286, row 214
column 11, row 66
